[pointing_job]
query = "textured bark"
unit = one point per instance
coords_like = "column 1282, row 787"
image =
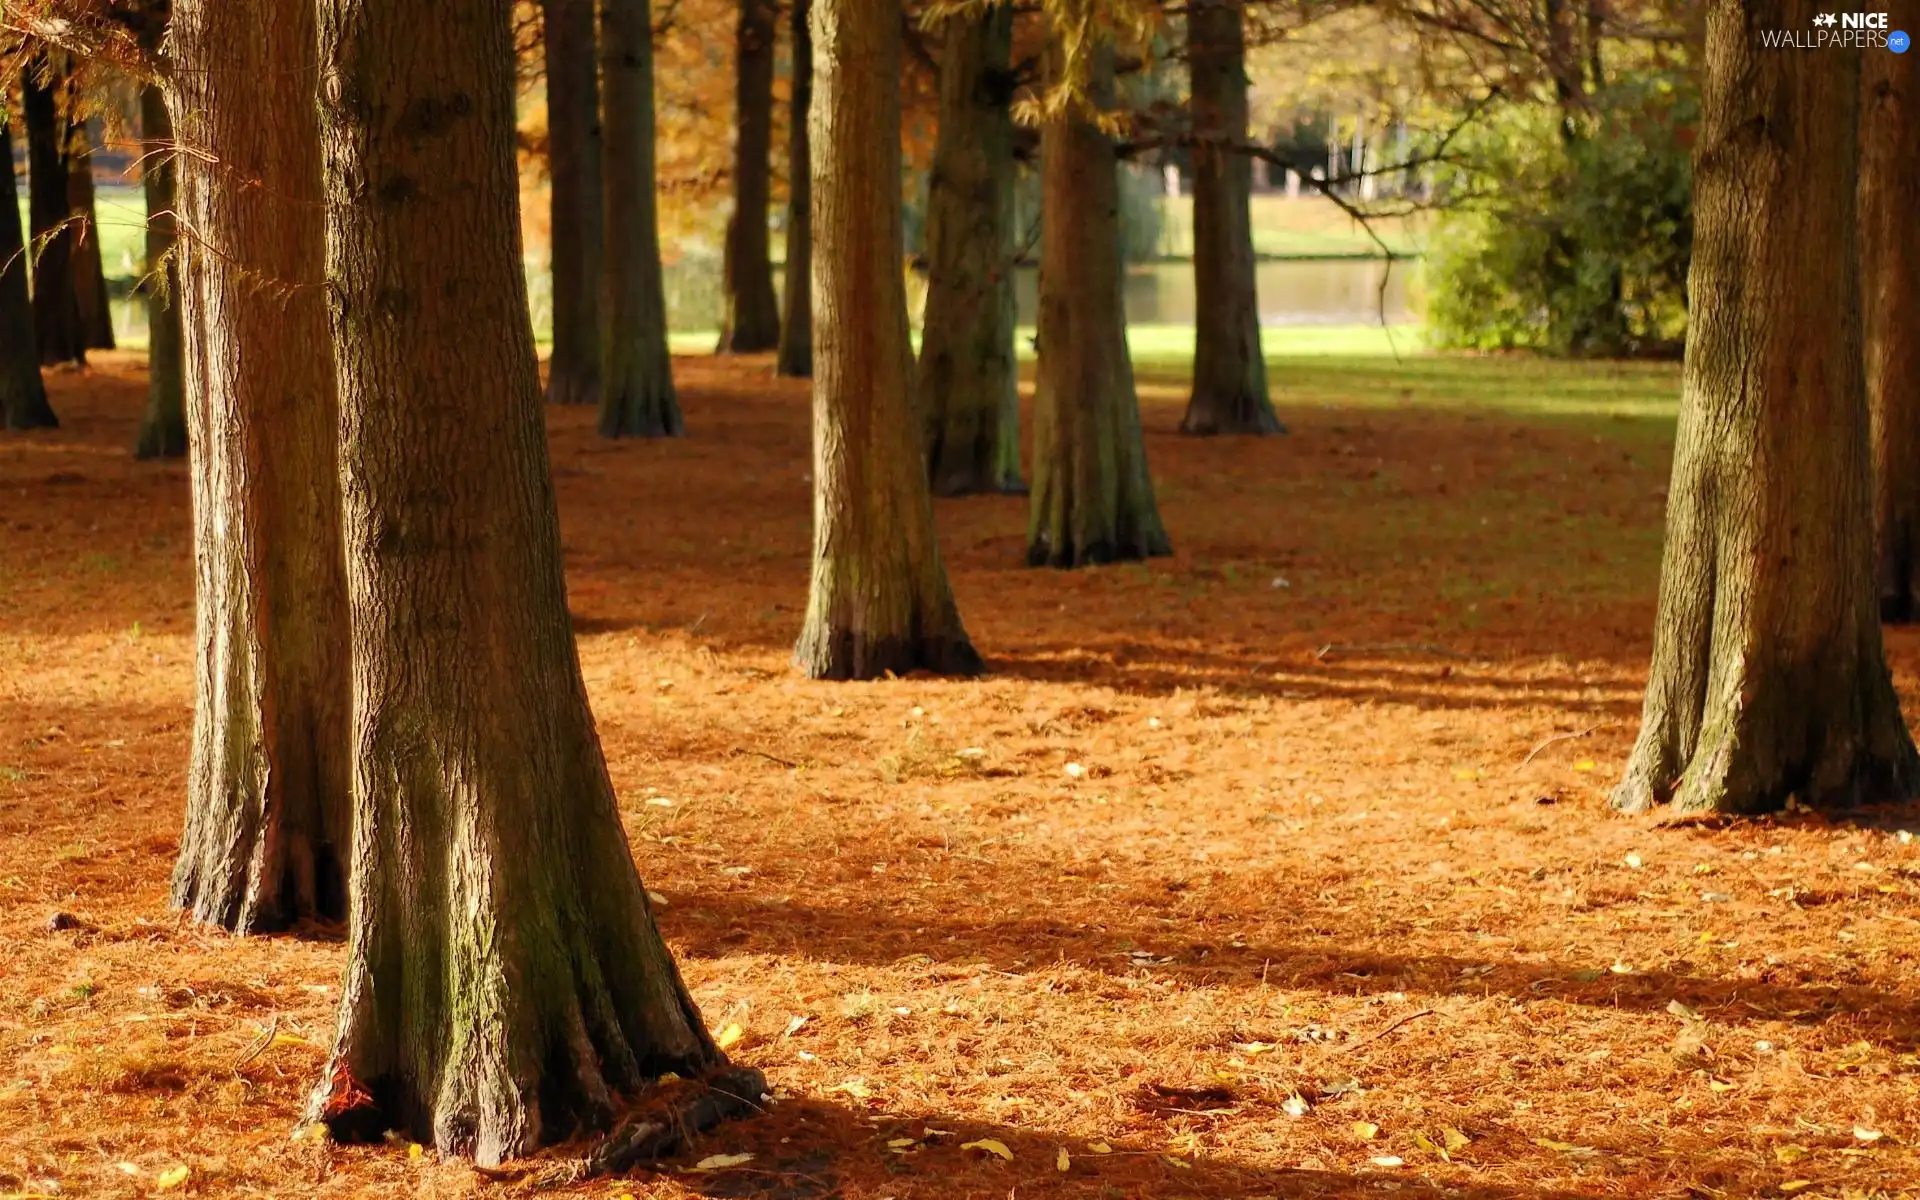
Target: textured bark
column 163, row 427
column 1890, row 292
column 968, row 380
column 1768, row 678
column 880, row 600
column 56, row 306
column 752, row 321
column 1092, row 497
column 89, row 272
column 576, row 241
column 504, row 977
column 1229, row 368
column 267, row 806
column 637, row 398
column 23, row 398
column 796, row 318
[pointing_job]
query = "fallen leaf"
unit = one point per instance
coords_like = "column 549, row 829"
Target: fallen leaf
column 1063, row 1162
column 1253, row 1047
column 793, row 1026
column 1585, row 764
column 897, row 1143
column 171, row 1178
column 1621, row 968
column 1387, row 1160
column 990, row 1146
column 720, row 1162
column 1682, row 1011
column 658, row 900
column 1796, row 1185
column 1867, row 1135
column 1366, row 1131
column 1076, row 771
column 730, row 1036
column 416, row 1151
column 1426, row 1143
column 1454, row 1139
column 1100, row 1147
column 1181, row 1163
column 1296, row 1106
column 855, row 1087
column 1566, row 1147
column 1720, row 1085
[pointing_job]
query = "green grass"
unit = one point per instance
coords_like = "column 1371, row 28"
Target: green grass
column 121, row 211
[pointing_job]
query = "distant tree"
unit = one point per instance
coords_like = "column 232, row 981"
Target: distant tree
column 968, row 377
column 1092, row 497
column 796, row 320
column 267, row 822
column 1890, row 290
column 752, row 316
column 880, row 600
column 1229, row 368
column 56, row 305
column 163, row 426
column 504, row 979
column 1768, row 677
column 574, row 164
column 89, row 269
column 23, row 397
column 636, row 374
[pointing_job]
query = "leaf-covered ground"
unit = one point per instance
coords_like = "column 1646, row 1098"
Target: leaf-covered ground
column 1254, row 871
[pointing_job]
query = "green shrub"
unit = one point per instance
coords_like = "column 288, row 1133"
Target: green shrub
column 1570, row 245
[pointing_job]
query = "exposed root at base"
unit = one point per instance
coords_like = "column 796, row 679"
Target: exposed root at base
column 728, row 1093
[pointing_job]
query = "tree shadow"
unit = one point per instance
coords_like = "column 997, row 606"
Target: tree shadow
column 723, row 924
column 805, row 1149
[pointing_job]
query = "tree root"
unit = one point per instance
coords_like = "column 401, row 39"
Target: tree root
column 728, row 1093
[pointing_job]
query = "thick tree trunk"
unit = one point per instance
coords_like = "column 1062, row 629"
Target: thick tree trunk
column 1229, row 368
column 504, row 977
column 637, row 398
column 56, row 306
column 1768, row 679
column 23, row 397
column 163, row 427
column 1890, row 292
column 880, row 600
column 796, row 319
column 267, row 806
column 1092, row 497
column 577, row 205
column 89, row 270
column 752, row 316
column 968, row 380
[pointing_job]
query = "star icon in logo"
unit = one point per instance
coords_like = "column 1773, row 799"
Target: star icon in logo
column 1827, row 19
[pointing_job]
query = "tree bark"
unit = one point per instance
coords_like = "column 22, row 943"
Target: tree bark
column 1092, row 496
column 23, row 397
column 796, row 320
column 504, row 977
column 880, row 600
column 89, row 270
column 968, row 377
column 1768, row 679
column 1229, row 368
column 56, row 305
column 163, row 427
column 577, row 204
column 752, row 316
column 1890, row 294
column 267, row 791
column 637, row 372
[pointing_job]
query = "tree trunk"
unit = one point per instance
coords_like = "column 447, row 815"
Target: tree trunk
column 267, row 805
column 89, row 271
column 796, row 321
column 1229, row 368
column 1890, row 291
column 752, row 316
column 576, row 241
column 880, row 600
column 56, row 306
column 504, row 976
column 968, row 378
column 637, row 399
column 163, row 427
column 1092, row 497
column 1768, row 679
column 23, row 398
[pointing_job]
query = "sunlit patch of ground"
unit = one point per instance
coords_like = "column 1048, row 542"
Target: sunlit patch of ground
column 1252, row 871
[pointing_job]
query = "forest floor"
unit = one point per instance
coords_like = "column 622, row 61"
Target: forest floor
column 1278, row 867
